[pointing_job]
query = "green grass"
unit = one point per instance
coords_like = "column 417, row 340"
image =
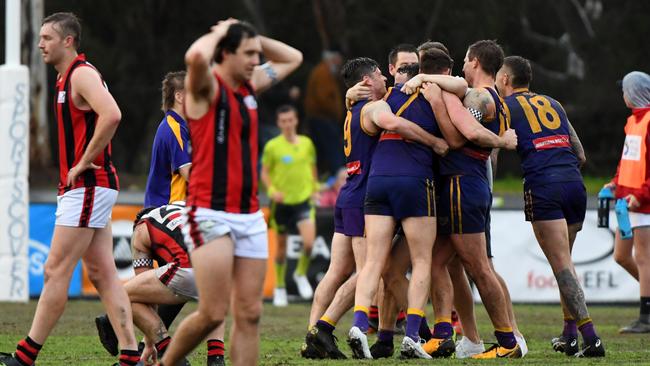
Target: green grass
column 74, row 341
column 513, row 185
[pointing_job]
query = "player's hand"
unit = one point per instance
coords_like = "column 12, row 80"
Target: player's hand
column 632, row 202
column 509, row 138
column 440, row 147
column 149, row 355
column 610, row 185
column 431, row 92
column 359, row 91
column 223, row 25
column 412, row 85
column 76, row 171
column 277, row 197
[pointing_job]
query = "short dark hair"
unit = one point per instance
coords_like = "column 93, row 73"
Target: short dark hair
column 434, row 61
column 489, row 54
column 231, row 41
column 520, row 71
column 284, row 109
column 354, row 70
column 141, row 213
column 411, row 70
column 68, row 25
column 402, row 47
column 173, row 82
column 433, row 45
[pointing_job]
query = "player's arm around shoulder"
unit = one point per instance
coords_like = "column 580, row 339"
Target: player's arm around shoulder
column 282, row 61
column 369, row 119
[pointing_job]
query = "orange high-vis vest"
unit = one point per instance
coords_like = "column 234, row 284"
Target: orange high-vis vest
column 632, row 172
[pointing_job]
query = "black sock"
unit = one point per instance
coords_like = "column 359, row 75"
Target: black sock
column 129, row 357
column 168, row 313
column 645, row 308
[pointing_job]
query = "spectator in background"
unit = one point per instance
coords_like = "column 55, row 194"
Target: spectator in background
column 281, row 94
column 632, row 182
column 328, row 196
column 324, row 109
column 291, row 180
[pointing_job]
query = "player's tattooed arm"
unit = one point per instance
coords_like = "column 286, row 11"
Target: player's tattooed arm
column 282, row 61
column 479, row 103
column 576, row 145
column 572, row 294
column 474, row 131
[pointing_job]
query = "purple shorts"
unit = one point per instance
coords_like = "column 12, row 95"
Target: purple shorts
column 349, row 221
column 553, row 201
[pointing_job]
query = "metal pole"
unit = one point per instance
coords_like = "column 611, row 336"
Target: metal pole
column 12, row 32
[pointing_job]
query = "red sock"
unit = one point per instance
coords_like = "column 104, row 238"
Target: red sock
column 374, row 312
column 27, row 351
column 162, row 345
column 401, row 315
column 129, row 357
column 215, row 347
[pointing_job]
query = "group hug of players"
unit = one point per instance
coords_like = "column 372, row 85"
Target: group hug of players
column 417, row 157
column 418, row 197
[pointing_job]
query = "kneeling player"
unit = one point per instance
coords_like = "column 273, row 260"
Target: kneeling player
column 157, row 236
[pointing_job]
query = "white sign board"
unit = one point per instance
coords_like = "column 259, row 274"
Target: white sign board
column 522, row 264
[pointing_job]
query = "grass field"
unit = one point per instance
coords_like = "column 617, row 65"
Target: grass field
column 74, row 341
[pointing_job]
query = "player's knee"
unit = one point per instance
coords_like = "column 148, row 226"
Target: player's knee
column 248, row 314
column 621, row 258
column 53, row 270
column 642, row 259
column 211, row 319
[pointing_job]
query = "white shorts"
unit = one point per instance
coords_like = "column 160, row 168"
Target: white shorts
column 638, row 219
column 248, row 231
column 85, row 207
column 179, row 280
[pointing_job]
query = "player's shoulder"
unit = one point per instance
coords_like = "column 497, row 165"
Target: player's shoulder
column 85, row 73
column 305, row 140
column 273, row 143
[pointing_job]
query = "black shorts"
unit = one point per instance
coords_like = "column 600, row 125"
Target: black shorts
column 286, row 217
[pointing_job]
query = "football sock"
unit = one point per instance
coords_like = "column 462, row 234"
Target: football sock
column 385, row 336
column 644, row 315
column 424, row 332
column 27, row 351
column 280, row 272
column 506, row 338
column 326, row 324
column 129, row 357
column 161, row 346
column 413, row 320
column 374, row 312
column 587, row 329
column 570, row 328
column 216, row 347
column 303, row 264
column 443, row 329
column 360, row 318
